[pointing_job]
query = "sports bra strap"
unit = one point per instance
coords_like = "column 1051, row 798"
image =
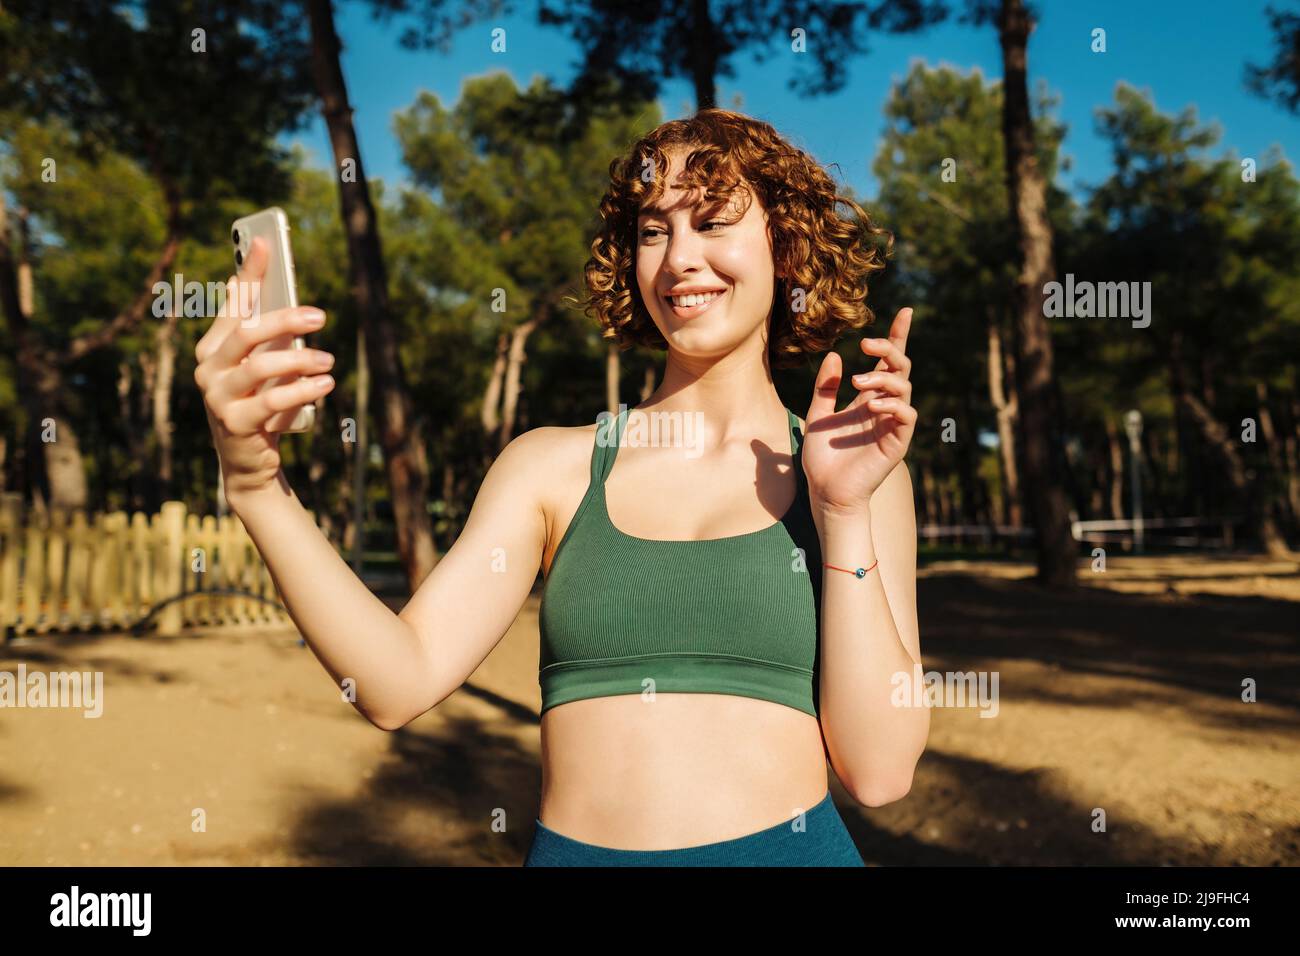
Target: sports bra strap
column 602, row 454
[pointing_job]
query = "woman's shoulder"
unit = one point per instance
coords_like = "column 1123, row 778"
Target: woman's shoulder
column 552, row 445
column 558, row 457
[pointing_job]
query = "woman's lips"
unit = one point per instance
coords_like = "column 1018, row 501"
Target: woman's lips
column 691, row 312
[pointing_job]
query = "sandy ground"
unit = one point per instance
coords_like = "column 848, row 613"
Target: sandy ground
column 234, row 747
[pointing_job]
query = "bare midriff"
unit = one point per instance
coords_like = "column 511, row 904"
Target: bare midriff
column 677, row 770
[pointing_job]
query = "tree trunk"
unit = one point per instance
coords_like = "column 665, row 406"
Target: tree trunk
column 929, row 508
column 972, row 497
column 704, row 61
column 1153, row 453
column 1097, row 500
column 137, row 476
column 1044, row 471
column 1005, row 410
column 946, row 511
column 53, row 455
column 1186, row 454
column 14, row 309
column 1272, row 447
column 491, row 414
column 1116, row 468
column 54, row 469
column 164, row 374
column 1171, row 462
column 144, row 441
column 514, row 371
column 1248, row 489
column 404, row 455
column 65, row 471
column 1291, row 448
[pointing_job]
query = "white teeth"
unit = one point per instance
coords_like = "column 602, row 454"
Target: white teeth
column 686, row 301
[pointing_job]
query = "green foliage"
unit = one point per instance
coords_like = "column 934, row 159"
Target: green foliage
column 96, row 229
column 505, row 191
column 506, row 217
column 944, row 194
column 1221, row 255
column 199, row 113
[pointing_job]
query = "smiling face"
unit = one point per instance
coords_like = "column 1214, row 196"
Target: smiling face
column 727, row 248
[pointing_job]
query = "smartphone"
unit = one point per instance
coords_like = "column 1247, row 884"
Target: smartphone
column 278, row 289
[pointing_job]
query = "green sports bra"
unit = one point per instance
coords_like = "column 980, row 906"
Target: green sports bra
column 737, row 615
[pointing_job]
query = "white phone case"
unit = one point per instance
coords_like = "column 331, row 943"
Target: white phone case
column 278, row 288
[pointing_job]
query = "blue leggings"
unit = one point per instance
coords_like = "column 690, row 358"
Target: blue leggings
column 822, row 841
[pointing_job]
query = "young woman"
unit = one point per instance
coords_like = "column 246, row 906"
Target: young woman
column 722, row 612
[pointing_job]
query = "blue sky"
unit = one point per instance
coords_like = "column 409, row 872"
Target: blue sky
column 1188, row 53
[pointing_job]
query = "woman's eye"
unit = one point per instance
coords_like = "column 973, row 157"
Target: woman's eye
column 649, row 232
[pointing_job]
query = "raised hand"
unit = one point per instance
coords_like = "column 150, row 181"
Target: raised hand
column 246, row 420
column 847, row 454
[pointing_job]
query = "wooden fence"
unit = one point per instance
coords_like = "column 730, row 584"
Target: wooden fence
column 114, row 571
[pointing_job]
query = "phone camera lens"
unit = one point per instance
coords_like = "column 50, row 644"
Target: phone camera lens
column 235, row 236
column 239, row 258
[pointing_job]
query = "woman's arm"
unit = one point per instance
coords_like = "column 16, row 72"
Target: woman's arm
column 399, row 665
column 870, row 635
column 403, row 664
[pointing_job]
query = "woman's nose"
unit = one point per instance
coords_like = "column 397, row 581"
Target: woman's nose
column 684, row 252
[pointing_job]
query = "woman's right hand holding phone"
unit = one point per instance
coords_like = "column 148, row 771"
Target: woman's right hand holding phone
column 246, row 420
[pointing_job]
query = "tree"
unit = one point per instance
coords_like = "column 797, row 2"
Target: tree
column 517, row 205
column 399, row 432
column 1039, row 401
column 219, row 74
column 697, row 40
column 943, row 182
column 1036, row 388
column 630, row 49
column 1280, row 79
column 1164, row 212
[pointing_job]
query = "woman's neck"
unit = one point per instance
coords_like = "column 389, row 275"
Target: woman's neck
column 732, row 396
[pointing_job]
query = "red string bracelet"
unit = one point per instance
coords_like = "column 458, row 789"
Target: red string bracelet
column 860, row 572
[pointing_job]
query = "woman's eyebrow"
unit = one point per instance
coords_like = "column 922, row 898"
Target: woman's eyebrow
column 656, row 210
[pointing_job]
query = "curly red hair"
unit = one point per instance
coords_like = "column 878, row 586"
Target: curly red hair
column 815, row 250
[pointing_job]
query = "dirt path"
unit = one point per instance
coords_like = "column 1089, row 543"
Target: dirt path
column 1124, row 699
